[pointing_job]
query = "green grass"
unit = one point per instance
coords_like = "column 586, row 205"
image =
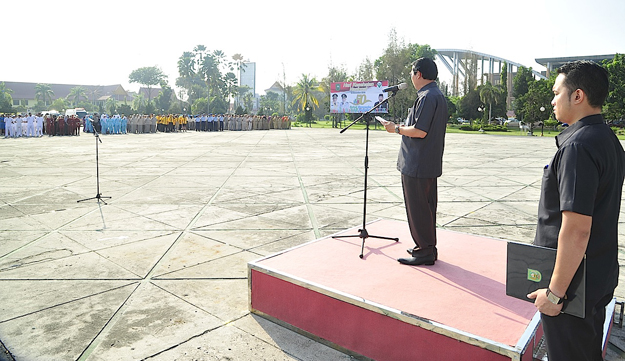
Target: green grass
column 450, row 129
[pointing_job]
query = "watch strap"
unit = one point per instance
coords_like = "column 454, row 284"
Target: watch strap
column 553, row 298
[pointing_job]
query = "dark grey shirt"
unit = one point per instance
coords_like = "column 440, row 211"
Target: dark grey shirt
column 423, row 157
column 585, row 176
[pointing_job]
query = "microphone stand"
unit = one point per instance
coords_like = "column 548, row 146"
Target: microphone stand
column 362, row 233
column 98, row 196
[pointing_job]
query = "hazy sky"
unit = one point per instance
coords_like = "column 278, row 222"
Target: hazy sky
column 100, row 43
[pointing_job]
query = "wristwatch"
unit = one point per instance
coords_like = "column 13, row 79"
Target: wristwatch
column 553, row 298
column 397, row 129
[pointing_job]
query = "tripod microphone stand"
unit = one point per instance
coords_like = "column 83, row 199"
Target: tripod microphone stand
column 362, row 233
column 98, row 196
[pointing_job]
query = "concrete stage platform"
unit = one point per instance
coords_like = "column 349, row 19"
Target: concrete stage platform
column 378, row 308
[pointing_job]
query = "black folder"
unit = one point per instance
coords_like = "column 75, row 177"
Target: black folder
column 529, row 268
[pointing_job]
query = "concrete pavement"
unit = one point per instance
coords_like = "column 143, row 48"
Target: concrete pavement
column 160, row 272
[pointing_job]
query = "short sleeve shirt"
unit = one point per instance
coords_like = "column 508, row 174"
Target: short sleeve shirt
column 585, row 176
column 423, row 157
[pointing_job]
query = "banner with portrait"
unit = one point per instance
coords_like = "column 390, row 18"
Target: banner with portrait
column 358, row 96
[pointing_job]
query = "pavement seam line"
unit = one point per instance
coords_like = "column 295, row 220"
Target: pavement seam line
column 309, row 208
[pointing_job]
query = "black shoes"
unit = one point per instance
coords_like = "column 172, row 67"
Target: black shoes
column 411, row 251
column 420, row 257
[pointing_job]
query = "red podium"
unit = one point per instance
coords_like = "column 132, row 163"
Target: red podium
column 380, row 309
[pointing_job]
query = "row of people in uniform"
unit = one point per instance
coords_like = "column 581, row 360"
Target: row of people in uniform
column 37, row 125
column 233, row 122
column 117, row 124
column 16, row 126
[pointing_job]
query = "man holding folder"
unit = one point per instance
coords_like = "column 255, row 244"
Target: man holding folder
column 578, row 212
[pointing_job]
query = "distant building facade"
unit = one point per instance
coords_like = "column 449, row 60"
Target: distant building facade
column 24, row 94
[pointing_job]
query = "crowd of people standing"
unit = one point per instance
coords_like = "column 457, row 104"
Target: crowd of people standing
column 37, row 125
column 17, row 126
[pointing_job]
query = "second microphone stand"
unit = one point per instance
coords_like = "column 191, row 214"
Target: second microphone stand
column 362, row 233
column 98, row 196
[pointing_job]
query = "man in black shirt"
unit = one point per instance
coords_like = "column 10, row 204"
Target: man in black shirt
column 578, row 212
column 420, row 160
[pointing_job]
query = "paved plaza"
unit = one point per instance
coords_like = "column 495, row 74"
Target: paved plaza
column 160, row 272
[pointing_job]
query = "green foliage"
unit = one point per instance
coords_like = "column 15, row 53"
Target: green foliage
column 306, row 93
column 208, row 74
column 59, row 104
column 148, row 76
column 199, row 106
column 110, row 106
column 539, row 95
column 615, row 103
column 76, row 95
column 486, row 127
column 521, row 82
column 44, row 93
column 139, row 103
column 270, row 102
column 469, row 104
column 6, row 101
column 124, row 109
column 163, row 100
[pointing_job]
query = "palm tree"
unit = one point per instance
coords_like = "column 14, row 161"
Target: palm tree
column 209, row 70
column 76, row 94
column 94, row 94
column 186, row 65
column 44, row 93
column 488, row 95
column 303, row 95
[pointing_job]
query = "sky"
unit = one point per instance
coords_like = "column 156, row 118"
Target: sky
column 100, row 43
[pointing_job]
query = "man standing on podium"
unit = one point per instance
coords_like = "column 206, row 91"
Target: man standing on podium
column 420, row 160
column 578, row 212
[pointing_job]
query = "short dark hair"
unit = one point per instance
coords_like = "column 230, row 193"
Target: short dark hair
column 427, row 67
column 588, row 76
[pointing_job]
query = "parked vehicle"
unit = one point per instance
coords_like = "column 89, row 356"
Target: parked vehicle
column 79, row 112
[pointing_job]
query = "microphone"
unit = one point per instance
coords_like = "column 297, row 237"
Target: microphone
column 395, row 88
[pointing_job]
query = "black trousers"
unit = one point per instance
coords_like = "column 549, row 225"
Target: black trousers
column 571, row 338
column 421, row 199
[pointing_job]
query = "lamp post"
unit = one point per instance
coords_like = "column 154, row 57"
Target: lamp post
column 308, row 115
column 542, row 122
column 481, row 110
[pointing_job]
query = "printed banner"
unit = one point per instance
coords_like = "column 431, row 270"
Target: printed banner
column 358, row 96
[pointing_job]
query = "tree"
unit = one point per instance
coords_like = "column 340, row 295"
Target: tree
column 489, row 94
column 139, row 103
column 94, row 94
column 44, row 93
column 468, row 105
column 148, row 76
column 163, row 100
column 520, row 87
column 59, row 104
column 538, row 96
column 270, row 103
column 305, row 98
column 6, row 101
column 365, row 70
column 76, row 94
column 110, row 106
column 615, row 103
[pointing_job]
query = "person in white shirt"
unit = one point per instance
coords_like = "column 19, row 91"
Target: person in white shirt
column 39, row 125
column 30, row 125
column 8, row 123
